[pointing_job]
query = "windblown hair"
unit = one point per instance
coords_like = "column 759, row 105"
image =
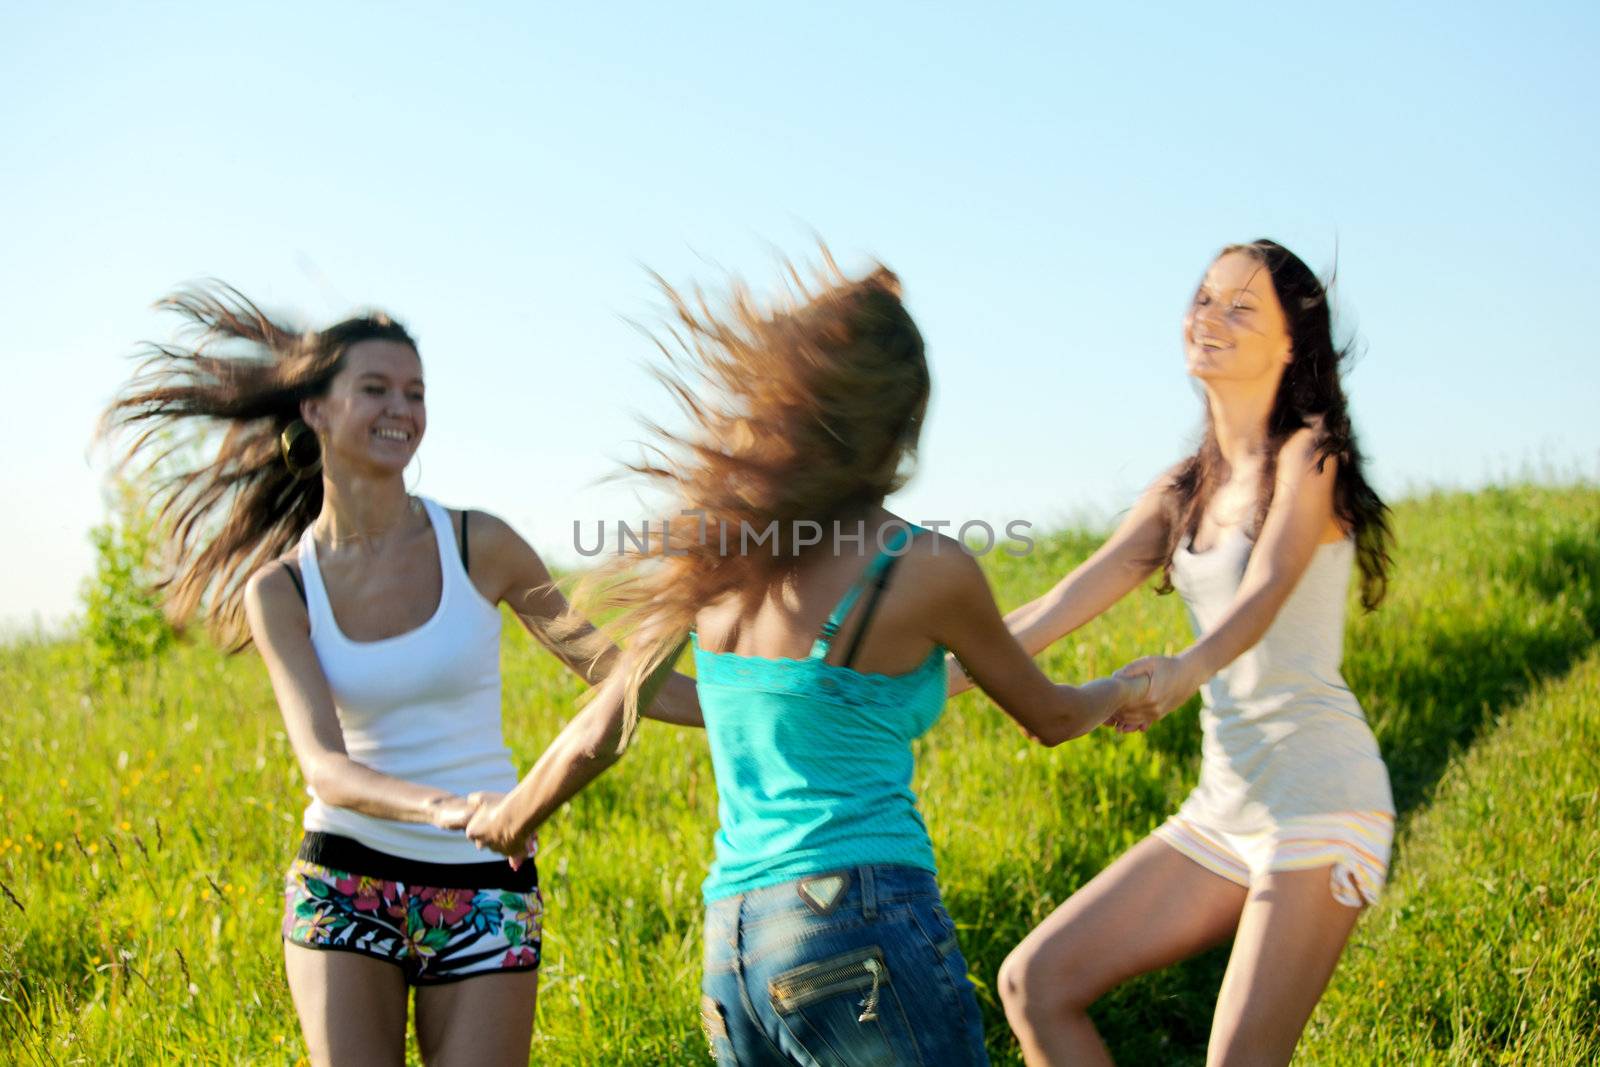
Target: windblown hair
column 1310, row 391
column 805, row 410
column 238, row 372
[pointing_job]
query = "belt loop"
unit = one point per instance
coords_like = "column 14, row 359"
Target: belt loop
column 736, row 936
column 869, row 894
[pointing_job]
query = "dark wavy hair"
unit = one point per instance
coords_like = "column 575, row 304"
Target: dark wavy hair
column 1311, row 390
column 236, row 371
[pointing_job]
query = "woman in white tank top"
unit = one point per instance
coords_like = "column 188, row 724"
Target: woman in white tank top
column 1287, row 835
column 377, row 614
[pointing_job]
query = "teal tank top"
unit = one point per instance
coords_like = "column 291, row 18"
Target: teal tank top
column 813, row 760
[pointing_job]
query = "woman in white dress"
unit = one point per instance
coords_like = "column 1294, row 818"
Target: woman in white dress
column 1286, row 838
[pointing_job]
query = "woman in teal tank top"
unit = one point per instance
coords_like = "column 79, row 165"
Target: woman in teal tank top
column 819, row 623
column 792, row 740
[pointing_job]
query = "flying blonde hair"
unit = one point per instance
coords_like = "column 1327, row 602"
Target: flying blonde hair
column 807, row 408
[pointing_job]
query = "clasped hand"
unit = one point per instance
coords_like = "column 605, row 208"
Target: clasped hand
column 1167, row 686
column 483, row 818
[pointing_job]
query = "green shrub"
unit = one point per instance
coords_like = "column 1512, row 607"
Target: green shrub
column 122, row 617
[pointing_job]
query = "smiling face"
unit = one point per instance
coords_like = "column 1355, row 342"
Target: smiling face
column 1235, row 328
column 373, row 415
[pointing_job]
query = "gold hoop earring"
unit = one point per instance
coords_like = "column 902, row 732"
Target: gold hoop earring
column 412, row 489
column 301, row 451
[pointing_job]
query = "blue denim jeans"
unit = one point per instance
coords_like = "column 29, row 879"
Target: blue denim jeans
column 852, row 968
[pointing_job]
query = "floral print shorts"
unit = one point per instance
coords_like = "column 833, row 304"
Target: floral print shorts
column 438, row 922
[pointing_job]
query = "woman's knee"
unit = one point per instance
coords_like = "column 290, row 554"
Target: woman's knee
column 1017, row 984
column 1046, row 977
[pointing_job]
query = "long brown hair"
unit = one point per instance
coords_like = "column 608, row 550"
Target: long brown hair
column 1310, row 390
column 236, row 371
column 807, row 409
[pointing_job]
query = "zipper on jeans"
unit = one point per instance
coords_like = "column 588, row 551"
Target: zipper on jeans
column 869, row 1006
column 852, row 973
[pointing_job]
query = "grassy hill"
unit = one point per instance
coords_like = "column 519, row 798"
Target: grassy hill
column 148, row 820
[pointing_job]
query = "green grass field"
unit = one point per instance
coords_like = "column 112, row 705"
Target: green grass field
column 148, row 821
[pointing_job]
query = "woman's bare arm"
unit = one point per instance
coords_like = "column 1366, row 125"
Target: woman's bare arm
column 585, row 749
column 281, row 631
column 1115, row 569
column 505, row 565
column 965, row 620
column 1300, row 518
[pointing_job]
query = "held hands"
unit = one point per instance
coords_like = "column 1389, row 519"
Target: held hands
column 1169, row 681
column 449, row 812
column 483, row 818
column 1128, row 692
column 493, row 827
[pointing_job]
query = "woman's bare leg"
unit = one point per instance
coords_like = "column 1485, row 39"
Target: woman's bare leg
column 1291, row 934
column 352, row 1008
column 487, row 1020
column 1149, row 909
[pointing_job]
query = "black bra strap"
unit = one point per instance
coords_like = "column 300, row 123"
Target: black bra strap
column 298, row 588
column 866, row 612
column 464, row 514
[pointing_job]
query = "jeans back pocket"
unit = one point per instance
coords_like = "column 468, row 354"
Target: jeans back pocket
column 843, row 1010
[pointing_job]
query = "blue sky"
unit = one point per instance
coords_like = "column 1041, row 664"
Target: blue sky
column 1049, row 182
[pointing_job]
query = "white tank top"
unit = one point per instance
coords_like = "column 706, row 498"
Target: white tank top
column 1283, row 736
column 423, row 706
